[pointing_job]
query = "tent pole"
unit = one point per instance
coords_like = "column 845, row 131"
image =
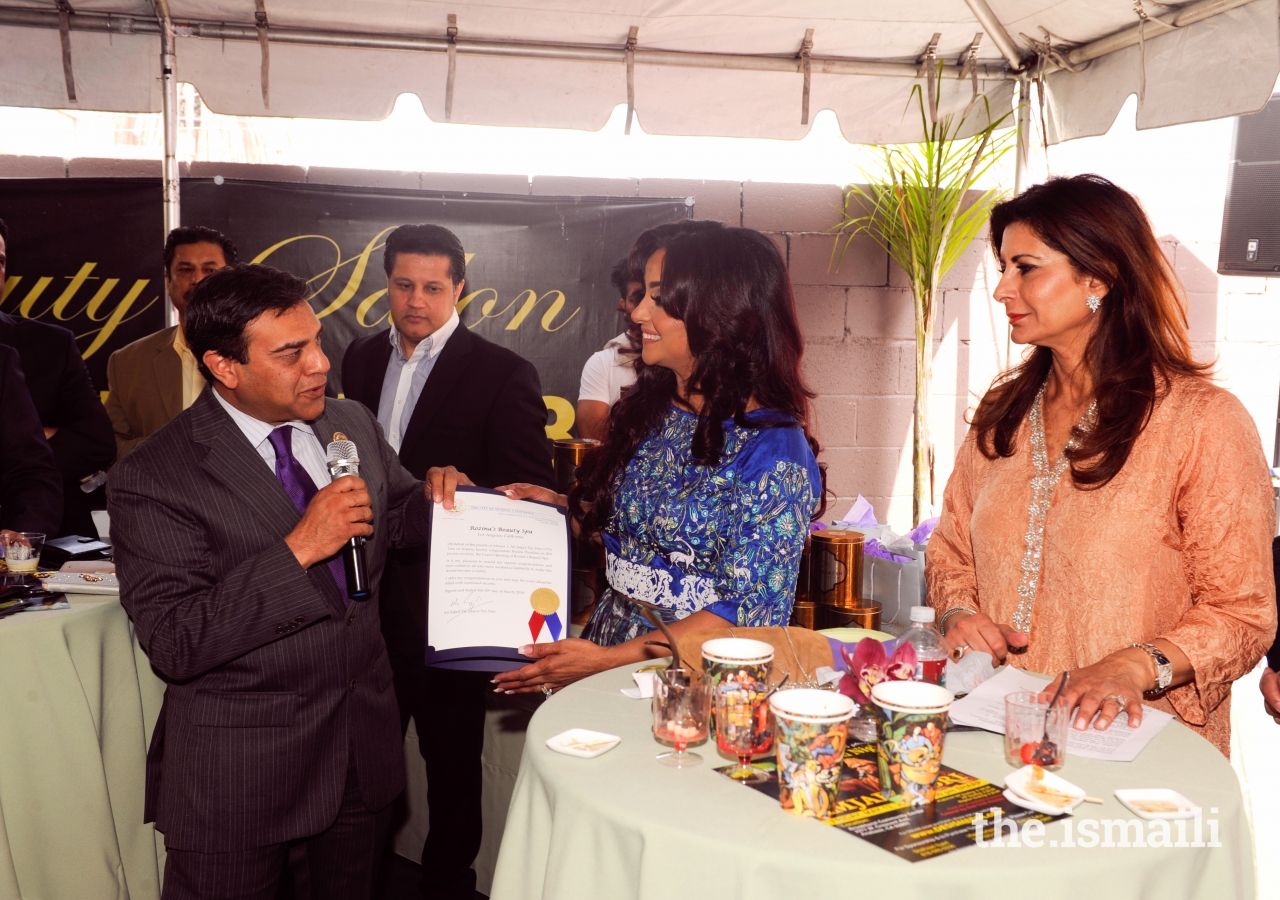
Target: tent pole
column 169, row 110
column 309, row 37
column 1196, row 11
column 991, row 25
column 1023, row 120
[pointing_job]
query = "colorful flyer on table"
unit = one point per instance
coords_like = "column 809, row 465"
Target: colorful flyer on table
column 499, row 579
column 913, row 833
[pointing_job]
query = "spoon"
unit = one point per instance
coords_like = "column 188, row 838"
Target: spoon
column 776, row 686
column 1047, row 753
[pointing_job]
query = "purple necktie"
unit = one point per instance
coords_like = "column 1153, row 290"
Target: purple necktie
column 300, row 488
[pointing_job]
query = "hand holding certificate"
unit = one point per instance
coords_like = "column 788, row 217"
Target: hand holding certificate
column 499, row 580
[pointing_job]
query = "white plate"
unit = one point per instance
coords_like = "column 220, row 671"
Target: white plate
column 1018, row 781
column 1135, row 798
column 1036, row 807
column 584, row 743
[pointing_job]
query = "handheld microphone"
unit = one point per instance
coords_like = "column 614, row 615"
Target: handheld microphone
column 344, row 460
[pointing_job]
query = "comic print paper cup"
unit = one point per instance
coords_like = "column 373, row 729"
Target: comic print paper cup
column 741, row 660
column 737, row 659
column 911, row 725
column 812, row 727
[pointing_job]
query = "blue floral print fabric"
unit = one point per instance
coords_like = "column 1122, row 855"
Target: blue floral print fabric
column 724, row 538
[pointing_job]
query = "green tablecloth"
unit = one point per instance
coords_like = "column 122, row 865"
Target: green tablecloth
column 622, row 825
column 77, row 705
column 78, row 701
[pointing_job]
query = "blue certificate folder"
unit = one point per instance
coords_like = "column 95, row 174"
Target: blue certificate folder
column 542, row 616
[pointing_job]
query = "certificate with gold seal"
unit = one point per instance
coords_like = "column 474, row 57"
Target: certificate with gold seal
column 499, row 579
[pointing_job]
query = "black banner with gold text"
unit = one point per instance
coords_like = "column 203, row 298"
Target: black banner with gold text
column 86, row 253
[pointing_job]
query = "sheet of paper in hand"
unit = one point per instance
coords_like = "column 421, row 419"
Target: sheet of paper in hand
column 499, row 580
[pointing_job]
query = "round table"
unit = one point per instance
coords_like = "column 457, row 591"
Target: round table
column 79, row 702
column 623, row 825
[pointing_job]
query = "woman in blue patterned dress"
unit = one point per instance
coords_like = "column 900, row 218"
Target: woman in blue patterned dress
column 706, row 483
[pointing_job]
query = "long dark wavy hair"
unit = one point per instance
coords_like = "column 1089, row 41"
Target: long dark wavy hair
column 650, row 242
column 1140, row 341
column 730, row 288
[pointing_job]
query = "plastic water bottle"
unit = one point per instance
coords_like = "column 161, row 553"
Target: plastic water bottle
column 931, row 658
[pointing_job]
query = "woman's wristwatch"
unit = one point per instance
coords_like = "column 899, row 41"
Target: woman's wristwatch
column 1164, row 668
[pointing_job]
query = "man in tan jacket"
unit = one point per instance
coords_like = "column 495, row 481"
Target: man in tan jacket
column 155, row 378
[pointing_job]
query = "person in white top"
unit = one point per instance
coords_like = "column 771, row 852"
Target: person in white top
column 612, row 369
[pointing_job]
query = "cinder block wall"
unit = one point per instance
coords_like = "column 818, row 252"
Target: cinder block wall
column 857, row 317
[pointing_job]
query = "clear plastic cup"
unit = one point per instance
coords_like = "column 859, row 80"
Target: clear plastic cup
column 22, row 551
column 681, row 714
column 1026, row 740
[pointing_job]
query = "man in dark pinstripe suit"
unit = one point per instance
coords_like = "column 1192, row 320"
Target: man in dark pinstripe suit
column 279, row 724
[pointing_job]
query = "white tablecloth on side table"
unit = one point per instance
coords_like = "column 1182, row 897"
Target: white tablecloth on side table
column 77, row 705
column 623, row 825
column 78, row 701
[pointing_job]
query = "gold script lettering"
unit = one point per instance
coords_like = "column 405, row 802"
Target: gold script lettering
column 367, row 304
column 9, row 285
column 337, row 254
column 548, row 317
column 64, row 299
column 117, row 316
column 357, row 275
column 466, row 301
column 486, row 311
column 559, row 429
column 24, row 308
column 528, row 299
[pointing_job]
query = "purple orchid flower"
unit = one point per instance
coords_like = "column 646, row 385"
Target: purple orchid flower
column 869, row 665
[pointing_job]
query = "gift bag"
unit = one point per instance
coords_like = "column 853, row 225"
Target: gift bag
column 892, row 566
column 895, row 585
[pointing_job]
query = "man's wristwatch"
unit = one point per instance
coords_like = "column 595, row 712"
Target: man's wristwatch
column 1164, row 668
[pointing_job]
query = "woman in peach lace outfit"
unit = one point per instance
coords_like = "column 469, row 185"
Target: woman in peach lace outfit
column 1110, row 513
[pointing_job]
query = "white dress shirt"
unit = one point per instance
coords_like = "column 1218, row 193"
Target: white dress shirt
column 306, row 446
column 405, row 377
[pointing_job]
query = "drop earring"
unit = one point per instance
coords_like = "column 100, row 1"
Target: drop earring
column 1094, row 302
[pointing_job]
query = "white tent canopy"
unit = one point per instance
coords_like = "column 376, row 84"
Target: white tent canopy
column 701, row 67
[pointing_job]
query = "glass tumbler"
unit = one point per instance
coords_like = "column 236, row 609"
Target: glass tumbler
column 742, row 726
column 1034, row 732
column 681, row 714
column 22, row 551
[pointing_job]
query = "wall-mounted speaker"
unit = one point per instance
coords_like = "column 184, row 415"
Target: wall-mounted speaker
column 1251, row 218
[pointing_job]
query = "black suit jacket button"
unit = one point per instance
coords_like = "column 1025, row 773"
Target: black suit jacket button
column 351, row 620
column 281, row 629
column 299, row 620
column 352, row 686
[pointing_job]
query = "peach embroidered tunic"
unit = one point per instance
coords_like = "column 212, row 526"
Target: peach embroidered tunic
column 1176, row 546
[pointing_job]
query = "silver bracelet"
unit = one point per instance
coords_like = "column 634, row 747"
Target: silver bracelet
column 942, row 622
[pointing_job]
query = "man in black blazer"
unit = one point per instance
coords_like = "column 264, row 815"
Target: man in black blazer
column 30, row 486
column 279, row 726
column 74, row 420
column 445, row 397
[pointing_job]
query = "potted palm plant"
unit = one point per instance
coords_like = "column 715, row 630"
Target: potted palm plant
column 920, row 207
